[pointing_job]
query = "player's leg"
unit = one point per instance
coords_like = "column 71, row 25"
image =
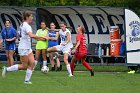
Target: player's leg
column 58, row 63
column 11, row 53
column 56, row 55
column 44, row 57
column 52, row 61
column 7, row 55
column 87, row 66
column 11, row 59
column 66, row 54
column 72, row 64
column 52, row 49
column 22, row 66
column 37, row 53
column 31, row 64
column 24, row 61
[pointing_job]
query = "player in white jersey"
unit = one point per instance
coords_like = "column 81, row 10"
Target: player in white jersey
column 24, row 48
column 65, row 45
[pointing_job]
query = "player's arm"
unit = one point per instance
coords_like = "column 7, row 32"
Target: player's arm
column 42, row 39
column 54, row 38
column 14, row 35
column 35, row 36
column 12, row 39
column 3, row 38
column 1, row 41
column 77, row 44
column 55, row 30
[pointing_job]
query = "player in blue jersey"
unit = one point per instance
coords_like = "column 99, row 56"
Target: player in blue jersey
column 9, row 36
column 53, row 41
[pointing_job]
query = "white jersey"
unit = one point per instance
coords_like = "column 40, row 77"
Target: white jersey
column 25, row 40
column 63, row 36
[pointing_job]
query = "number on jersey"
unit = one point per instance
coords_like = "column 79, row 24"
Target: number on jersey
column 63, row 38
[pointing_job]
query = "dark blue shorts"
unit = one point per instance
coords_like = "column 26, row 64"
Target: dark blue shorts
column 52, row 43
column 10, row 46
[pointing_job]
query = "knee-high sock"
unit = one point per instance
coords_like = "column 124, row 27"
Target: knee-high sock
column 72, row 67
column 87, row 65
column 68, row 69
column 44, row 63
column 13, row 68
column 28, row 75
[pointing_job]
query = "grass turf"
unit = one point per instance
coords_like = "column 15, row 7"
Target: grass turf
column 82, row 82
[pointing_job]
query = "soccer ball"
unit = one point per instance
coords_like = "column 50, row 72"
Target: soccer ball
column 45, row 69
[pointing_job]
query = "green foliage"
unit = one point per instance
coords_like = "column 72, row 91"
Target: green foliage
column 132, row 4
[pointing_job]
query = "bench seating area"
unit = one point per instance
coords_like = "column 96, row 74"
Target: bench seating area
column 91, row 57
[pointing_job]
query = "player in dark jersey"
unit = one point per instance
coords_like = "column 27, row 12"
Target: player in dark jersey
column 80, row 50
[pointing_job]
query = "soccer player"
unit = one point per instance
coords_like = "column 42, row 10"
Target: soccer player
column 24, row 49
column 41, row 45
column 53, row 41
column 80, row 50
column 9, row 36
column 65, row 45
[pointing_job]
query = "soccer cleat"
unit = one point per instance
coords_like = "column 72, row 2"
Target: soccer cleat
column 53, row 69
column 58, row 69
column 70, row 75
column 27, row 82
column 92, row 72
column 131, row 72
column 4, row 72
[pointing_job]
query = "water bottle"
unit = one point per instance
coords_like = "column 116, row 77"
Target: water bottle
column 99, row 51
column 102, row 52
column 107, row 51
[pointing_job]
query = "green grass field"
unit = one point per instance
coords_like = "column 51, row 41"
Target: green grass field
column 82, row 82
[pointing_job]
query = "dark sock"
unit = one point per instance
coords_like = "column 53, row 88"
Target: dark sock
column 58, row 69
column 92, row 72
column 53, row 69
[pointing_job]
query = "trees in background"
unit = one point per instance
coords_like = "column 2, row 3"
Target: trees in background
column 132, row 4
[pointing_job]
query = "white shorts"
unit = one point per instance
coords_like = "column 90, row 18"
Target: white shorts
column 64, row 49
column 24, row 52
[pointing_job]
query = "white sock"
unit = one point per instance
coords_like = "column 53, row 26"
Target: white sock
column 28, row 74
column 13, row 68
column 68, row 69
column 35, row 64
column 44, row 63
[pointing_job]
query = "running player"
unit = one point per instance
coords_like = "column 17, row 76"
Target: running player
column 9, row 36
column 80, row 50
column 24, row 48
column 65, row 45
column 53, row 41
column 41, row 45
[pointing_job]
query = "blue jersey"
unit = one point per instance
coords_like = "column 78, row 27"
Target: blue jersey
column 8, row 34
column 52, row 43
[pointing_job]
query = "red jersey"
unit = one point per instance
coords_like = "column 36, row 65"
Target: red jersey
column 82, row 47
